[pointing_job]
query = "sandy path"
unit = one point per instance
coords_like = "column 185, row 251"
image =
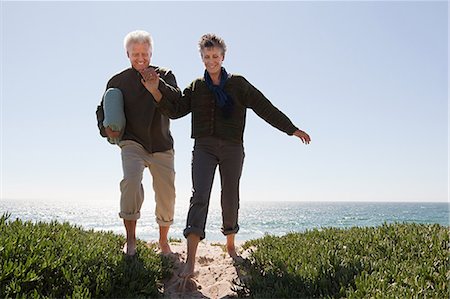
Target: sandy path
column 215, row 273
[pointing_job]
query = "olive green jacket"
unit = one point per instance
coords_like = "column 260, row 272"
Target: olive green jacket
column 209, row 120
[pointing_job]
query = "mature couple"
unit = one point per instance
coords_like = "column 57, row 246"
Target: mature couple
column 218, row 102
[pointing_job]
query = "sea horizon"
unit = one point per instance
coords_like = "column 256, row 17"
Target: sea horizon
column 256, row 218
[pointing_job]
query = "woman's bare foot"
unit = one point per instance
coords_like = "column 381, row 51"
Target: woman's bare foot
column 187, row 284
column 188, row 270
column 231, row 249
column 186, row 278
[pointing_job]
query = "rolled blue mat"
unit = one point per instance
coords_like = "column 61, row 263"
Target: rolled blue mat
column 114, row 114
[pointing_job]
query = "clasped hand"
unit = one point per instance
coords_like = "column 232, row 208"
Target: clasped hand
column 150, row 79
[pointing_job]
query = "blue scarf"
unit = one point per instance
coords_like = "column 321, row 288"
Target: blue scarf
column 223, row 100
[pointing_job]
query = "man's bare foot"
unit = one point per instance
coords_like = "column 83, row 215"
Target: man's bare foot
column 164, row 247
column 129, row 249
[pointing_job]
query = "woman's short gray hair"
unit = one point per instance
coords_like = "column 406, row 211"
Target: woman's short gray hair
column 138, row 36
column 210, row 40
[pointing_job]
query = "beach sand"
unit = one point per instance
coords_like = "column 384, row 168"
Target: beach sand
column 215, row 272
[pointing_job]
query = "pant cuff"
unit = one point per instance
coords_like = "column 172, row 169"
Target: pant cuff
column 230, row 231
column 164, row 223
column 194, row 230
column 128, row 216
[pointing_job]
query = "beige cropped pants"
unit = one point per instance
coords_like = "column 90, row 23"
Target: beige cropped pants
column 161, row 165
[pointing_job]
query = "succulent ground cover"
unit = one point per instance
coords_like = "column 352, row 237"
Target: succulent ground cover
column 60, row 260
column 389, row 261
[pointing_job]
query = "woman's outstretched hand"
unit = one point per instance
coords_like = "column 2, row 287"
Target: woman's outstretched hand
column 303, row 136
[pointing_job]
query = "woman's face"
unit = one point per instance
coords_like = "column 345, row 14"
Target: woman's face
column 212, row 57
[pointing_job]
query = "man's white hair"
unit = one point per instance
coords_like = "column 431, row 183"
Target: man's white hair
column 138, row 36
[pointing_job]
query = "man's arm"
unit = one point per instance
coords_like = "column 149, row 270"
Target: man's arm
column 100, row 117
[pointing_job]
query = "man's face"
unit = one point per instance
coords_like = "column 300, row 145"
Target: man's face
column 139, row 55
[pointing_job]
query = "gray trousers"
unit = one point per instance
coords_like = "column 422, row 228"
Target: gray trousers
column 210, row 152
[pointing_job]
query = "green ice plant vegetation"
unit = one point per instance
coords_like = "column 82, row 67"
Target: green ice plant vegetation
column 389, row 261
column 54, row 260
column 60, row 260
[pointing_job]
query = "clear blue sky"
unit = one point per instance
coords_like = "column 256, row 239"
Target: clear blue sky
column 367, row 80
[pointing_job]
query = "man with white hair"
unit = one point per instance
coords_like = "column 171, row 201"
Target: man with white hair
column 145, row 141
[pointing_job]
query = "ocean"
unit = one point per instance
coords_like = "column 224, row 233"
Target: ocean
column 256, row 219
